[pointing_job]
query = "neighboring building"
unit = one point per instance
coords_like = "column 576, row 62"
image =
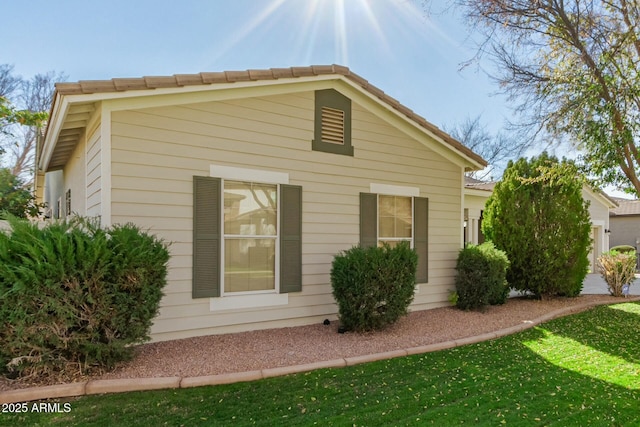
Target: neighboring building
column 258, row 178
column 477, row 192
column 625, row 223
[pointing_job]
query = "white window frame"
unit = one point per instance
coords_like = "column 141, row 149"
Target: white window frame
column 395, row 190
column 249, row 299
column 395, row 239
column 276, row 238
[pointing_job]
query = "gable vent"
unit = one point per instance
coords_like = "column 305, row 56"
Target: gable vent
column 332, row 125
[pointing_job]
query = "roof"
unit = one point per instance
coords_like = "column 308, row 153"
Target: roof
column 78, row 113
column 476, row 184
column 626, row 207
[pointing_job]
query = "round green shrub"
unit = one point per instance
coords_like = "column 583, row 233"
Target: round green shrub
column 74, row 296
column 373, row 286
column 481, row 276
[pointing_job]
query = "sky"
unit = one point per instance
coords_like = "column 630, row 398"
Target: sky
column 410, row 49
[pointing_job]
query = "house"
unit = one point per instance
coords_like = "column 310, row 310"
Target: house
column 477, row 192
column 257, row 178
column 625, row 223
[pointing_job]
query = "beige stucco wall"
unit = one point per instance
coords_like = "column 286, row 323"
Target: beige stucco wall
column 155, row 152
column 599, row 213
column 53, row 189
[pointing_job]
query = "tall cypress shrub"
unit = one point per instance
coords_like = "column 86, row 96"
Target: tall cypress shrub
column 537, row 215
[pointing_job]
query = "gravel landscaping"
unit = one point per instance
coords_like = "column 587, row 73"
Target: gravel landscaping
column 271, row 348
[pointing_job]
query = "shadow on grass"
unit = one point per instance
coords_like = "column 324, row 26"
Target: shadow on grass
column 490, row 383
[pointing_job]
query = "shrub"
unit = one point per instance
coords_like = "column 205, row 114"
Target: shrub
column 75, row 296
column 537, row 215
column 481, row 278
column 373, row 286
column 617, row 269
column 625, row 249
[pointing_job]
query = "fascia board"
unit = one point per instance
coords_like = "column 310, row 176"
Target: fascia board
column 201, row 93
column 53, row 130
column 479, row 193
column 599, row 197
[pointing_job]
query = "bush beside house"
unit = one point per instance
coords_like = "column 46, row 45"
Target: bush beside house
column 373, row 286
column 537, row 215
column 481, row 276
column 74, row 296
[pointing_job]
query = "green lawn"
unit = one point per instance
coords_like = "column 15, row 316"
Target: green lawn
column 575, row 371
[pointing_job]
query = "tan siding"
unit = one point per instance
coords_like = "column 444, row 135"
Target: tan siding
column 74, row 179
column 93, row 175
column 156, row 152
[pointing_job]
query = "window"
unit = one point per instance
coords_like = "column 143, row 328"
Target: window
column 246, row 234
column 332, row 123
column 393, row 218
column 250, row 236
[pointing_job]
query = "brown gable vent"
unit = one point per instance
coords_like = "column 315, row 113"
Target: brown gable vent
column 332, row 125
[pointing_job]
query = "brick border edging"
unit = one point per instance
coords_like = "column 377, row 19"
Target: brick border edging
column 144, row 384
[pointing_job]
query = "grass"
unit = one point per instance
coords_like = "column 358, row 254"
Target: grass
column 580, row 370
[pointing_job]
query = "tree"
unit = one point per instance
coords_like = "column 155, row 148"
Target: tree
column 537, row 215
column 497, row 149
column 22, row 119
column 572, row 67
column 15, row 199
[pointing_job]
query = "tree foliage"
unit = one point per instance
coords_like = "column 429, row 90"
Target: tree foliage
column 574, row 68
column 537, row 215
column 15, row 199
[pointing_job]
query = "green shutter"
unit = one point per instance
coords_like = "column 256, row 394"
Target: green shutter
column 368, row 220
column 421, row 237
column 207, row 199
column 290, row 238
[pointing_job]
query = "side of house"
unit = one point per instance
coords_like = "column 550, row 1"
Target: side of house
column 625, row 223
column 477, row 193
column 257, row 184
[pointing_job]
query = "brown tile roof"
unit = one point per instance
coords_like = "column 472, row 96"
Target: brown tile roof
column 626, row 207
column 181, row 80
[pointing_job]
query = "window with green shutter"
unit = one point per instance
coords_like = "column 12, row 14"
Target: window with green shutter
column 332, row 123
column 392, row 219
column 237, row 227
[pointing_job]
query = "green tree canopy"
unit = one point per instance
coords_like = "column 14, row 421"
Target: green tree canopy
column 537, row 215
column 15, row 199
column 574, row 67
